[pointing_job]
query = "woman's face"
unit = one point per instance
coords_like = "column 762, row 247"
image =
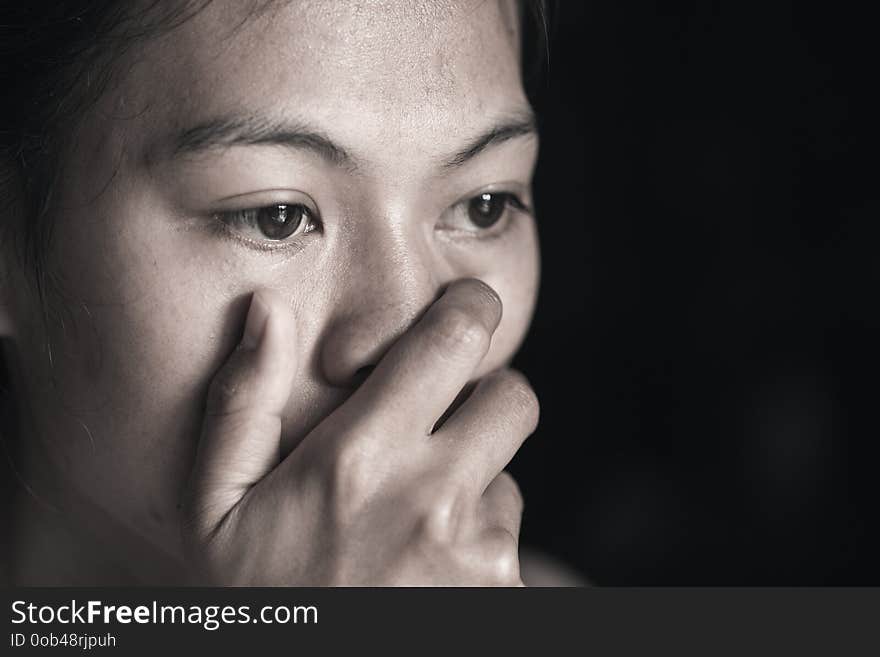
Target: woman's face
column 375, row 124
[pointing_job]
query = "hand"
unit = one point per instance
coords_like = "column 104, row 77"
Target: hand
column 370, row 497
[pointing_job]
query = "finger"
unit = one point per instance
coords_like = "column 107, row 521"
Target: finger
column 240, row 440
column 502, row 505
column 495, row 558
column 416, row 381
column 483, row 435
column 500, row 514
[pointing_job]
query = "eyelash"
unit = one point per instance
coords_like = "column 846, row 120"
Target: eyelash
column 512, row 203
column 227, row 222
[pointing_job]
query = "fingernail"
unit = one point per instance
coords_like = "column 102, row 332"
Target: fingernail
column 255, row 326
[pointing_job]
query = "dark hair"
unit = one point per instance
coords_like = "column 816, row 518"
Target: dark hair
column 57, row 59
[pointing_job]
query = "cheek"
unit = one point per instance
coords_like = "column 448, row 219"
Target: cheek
column 514, row 274
column 518, row 294
column 137, row 319
column 136, row 337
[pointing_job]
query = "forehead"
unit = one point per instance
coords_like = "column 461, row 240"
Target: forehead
column 388, row 66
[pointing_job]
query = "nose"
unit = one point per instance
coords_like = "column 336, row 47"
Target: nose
column 382, row 294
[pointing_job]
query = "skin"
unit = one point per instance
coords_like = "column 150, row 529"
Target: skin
column 203, row 388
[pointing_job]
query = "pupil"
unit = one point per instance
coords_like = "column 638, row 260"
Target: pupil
column 485, row 209
column 278, row 222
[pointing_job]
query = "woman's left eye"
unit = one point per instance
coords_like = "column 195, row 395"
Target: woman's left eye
column 480, row 213
column 273, row 223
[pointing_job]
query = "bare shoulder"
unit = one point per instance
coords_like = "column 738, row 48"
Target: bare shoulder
column 540, row 569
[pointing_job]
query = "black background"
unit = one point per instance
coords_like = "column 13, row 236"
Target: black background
column 705, row 342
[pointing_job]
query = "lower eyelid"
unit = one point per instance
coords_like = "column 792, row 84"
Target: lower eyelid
column 500, row 229
column 223, row 229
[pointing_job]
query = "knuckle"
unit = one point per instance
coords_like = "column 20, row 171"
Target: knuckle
column 457, row 330
column 350, row 478
column 512, row 490
column 222, row 391
column 438, row 523
column 503, row 566
column 228, row 392
column 522, row 398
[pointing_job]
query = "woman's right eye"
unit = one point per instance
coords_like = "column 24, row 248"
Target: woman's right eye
column 273, row 223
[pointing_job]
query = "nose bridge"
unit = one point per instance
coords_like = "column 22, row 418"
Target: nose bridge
column 390, row 286
column 389, row 281
column 398, row 266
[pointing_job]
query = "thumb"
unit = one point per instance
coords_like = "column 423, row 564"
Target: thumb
column 241, row 432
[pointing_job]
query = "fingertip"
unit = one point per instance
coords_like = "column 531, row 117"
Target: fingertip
column 487, row 296
column 279, row 332
column 277, row 309
column 256, row 322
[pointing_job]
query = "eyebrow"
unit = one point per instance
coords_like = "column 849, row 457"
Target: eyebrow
column 257, row 131
column 517, row 125
column 252, row 131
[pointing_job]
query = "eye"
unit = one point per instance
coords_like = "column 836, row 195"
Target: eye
column 485, row 215
column 278, row 222
column 274, row 223
column 486, row 209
